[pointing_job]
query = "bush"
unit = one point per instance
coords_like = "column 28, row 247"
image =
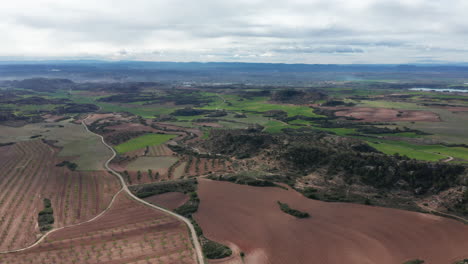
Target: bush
column 72, row 166
column 214, row 250
column 414, row 261
column 146, row 190
column 46, row 216
column 296, row 213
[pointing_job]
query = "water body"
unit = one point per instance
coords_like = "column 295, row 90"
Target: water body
column 439, row 90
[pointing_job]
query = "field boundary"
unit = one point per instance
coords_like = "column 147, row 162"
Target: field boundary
column 196, row 243
column 200, row 258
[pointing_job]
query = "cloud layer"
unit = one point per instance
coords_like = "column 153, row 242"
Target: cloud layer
column 293, row 31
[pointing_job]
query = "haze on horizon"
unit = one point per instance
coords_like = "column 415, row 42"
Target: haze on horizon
column 294, row 31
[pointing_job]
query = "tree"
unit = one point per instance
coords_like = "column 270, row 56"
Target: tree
column 139, row 175
column 127, row 175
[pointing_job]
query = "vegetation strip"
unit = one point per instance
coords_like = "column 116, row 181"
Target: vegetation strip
column 296, row 213
column 46, row 216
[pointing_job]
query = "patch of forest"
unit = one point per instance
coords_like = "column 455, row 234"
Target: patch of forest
column 355, row 160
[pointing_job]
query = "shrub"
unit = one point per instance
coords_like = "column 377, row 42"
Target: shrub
column 214, row 250
column 414, row 261
column 72, row 166
column 296, row 213
column 46, row 216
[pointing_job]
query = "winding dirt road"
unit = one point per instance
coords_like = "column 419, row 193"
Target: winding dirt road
column 196, row 243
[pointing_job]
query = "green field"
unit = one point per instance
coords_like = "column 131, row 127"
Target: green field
column 257, row 104
column 420, row 152
column 143, row 141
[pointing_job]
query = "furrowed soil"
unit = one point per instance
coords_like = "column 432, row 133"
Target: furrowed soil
column 128, row 233
column 170, row 200
column 29, row 174
column 73, row 140
column 250, row 218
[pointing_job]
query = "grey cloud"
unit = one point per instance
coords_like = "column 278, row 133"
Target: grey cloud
column 337, row 49
column 256, row 30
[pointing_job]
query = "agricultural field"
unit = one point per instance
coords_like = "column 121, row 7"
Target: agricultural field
column 422, row 152
column 128, row 233
column 257, row 104
column 152, row 163
column 250, row 220
column 74, row 142
column 29, row 175
column 170, row 200
column 143, row 141
column 277, row 166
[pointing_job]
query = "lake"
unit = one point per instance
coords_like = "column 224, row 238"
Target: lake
column 439, row 90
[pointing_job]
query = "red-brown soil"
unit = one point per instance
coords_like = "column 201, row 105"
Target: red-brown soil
column 95, row 117
column 160, row 150
column 370, row 114
column 128, row 233
column 455, row 109
column 52, row 118
column 250, row 218
column 28, row 175
column 170, row 200
column 202, row 166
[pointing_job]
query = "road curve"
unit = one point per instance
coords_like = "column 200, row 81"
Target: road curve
column 196, row 243
column 63, row 227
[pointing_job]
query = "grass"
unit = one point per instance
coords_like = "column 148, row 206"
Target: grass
column 391, row 149
column 257, row 104
column 149, row 111
column 403, row 134
column 143, row 141
column 415, row 151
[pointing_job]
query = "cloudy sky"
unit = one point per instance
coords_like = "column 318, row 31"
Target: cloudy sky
column 290, row 31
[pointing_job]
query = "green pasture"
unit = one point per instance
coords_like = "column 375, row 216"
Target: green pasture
column 420, row 152
column 143, row 141
column 257, row 104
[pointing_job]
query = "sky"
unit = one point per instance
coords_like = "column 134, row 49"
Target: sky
column 286, row 31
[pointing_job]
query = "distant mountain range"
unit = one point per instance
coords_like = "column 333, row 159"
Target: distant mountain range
column 228, row 71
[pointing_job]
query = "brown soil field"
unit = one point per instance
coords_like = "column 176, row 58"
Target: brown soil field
column 250, row 218
column 128, row 233
column 95, row 117
column 160, row 150
column 29, row 174
column 52, row 118
column 370, row 114
column 455, row 109
column 202, row 166
column 170, row 200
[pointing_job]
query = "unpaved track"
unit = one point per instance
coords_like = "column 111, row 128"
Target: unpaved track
column 196, row 243
column 63, row 227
